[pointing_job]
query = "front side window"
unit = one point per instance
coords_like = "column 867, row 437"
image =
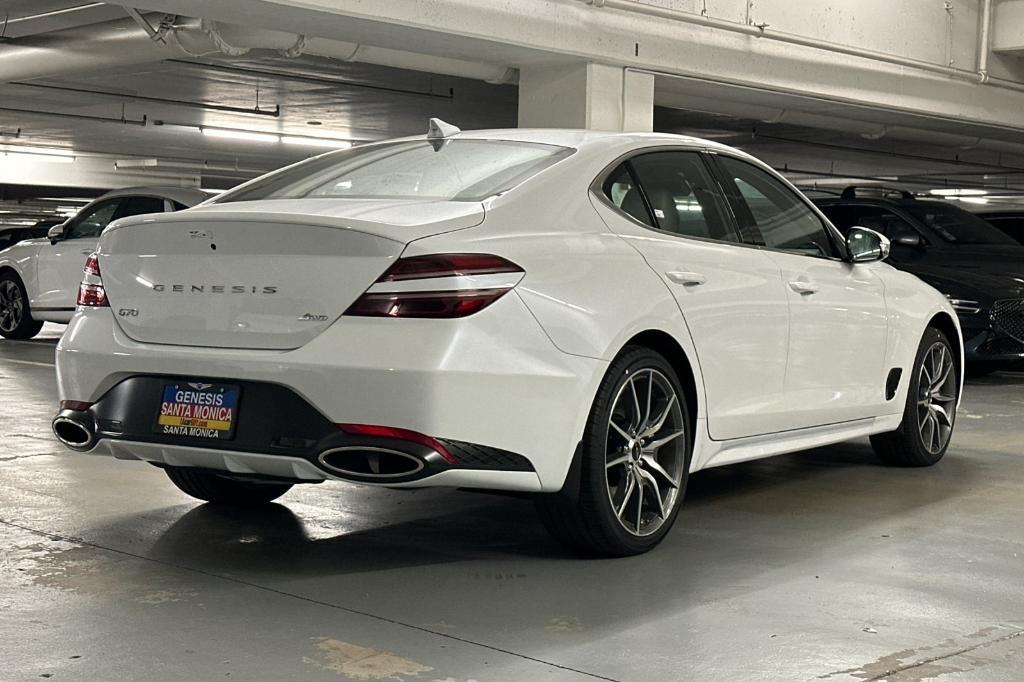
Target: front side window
column 452, row 170
column 91, row 221
column 771, row 214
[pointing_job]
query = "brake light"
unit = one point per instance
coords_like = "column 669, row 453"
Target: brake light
column 91, row 293
column 445, row 285
column 375, row 431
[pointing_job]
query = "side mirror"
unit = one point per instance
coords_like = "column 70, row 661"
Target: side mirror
column 913, row 240
column 866, row 246
column 55, row 233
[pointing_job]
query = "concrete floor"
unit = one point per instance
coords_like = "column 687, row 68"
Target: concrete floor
column 822, row 565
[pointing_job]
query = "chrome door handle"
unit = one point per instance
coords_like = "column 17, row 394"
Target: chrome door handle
column 686, row 278
column 803, row 287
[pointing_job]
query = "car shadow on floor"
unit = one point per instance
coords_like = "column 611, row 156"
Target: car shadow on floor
column 754, row 508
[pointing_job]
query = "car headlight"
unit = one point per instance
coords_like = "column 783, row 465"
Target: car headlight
column 964, row 306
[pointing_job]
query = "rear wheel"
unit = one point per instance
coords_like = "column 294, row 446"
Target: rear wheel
column 213, row 487
column 930, row 413
column 15, row 316
column 635, row 460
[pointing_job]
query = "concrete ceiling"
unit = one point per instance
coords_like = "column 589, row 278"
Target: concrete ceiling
column 154, row 110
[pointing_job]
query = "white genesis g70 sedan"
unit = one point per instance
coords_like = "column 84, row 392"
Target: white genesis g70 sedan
column 588, row 317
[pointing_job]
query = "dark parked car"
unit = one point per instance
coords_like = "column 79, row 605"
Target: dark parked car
column 1010, row 222
column 978, row 267
column 10, row 235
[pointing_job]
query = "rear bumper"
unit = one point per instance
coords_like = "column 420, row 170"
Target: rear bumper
column 492, row 381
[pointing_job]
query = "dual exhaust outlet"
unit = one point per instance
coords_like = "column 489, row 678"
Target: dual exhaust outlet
column 77, row 431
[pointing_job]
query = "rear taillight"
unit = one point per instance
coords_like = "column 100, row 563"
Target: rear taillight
column 438, row 286
column 91, row 292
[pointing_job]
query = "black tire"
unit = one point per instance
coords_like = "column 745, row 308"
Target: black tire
column 15, row 315
column 588, row 520
column 214, row 487
column 906, row 445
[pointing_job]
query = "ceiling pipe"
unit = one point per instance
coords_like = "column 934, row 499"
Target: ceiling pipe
column 125, row 42
column 984, row 40
column 762, row 31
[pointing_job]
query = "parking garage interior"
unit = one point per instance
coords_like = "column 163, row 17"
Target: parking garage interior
column 819, row 564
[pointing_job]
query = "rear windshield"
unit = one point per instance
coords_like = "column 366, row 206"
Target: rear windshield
column 451, row 170
column 956, row 225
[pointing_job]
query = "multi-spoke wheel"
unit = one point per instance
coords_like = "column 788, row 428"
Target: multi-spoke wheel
column 930, row 414
column 15, row 317
column 634, row 461
column 645, row 457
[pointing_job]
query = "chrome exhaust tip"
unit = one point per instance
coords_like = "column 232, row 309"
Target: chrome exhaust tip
column 74, row 430
column 364, row 462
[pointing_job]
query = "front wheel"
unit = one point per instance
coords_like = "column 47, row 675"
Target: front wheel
column 214, row 487
column 635, row 461
column 930, row 413
column 15, row 316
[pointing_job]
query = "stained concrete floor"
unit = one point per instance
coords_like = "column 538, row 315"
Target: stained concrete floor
column 821, row 565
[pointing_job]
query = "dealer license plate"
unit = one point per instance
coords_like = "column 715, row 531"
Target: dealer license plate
column 198, row 410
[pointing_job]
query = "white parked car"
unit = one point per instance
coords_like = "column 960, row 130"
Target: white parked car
column 39, row 278
column 585, row 316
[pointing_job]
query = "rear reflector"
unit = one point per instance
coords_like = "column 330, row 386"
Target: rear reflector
column 375, row 431
column 411, row 287
column 76, row 405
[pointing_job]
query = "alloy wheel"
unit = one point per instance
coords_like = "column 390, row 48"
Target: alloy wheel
column 936, row 399
column 12, row 308
column 645, row 451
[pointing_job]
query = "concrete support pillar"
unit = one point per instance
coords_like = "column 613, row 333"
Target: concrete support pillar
column 585, row 95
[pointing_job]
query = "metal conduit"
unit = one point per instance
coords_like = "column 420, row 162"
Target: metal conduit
column 762, row 31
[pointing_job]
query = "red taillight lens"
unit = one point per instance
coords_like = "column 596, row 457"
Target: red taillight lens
column 437, row 304
column 91, row 292
column 92, row 295
column 410, row 287
column 375, row 431
column 447, row 265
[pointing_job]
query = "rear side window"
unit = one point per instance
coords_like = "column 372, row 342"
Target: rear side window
column 681, row 194
column 451, row 170
column 624, row 192
column 670, row 191
column 771, row 214
column 138, row 206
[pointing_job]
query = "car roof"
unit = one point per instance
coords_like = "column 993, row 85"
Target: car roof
column 585, row 139
column 189, row 196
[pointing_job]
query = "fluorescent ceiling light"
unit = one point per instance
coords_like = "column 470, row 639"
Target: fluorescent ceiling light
column 974, row 200
column 51, row 154
column 958, row 192
column 241, row 135
column 315, row 141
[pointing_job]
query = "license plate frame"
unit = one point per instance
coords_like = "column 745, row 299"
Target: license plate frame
column 198, row 409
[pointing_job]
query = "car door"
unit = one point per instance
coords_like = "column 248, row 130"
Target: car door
column 668, row 206
column 838, row 317
column 60, row 264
